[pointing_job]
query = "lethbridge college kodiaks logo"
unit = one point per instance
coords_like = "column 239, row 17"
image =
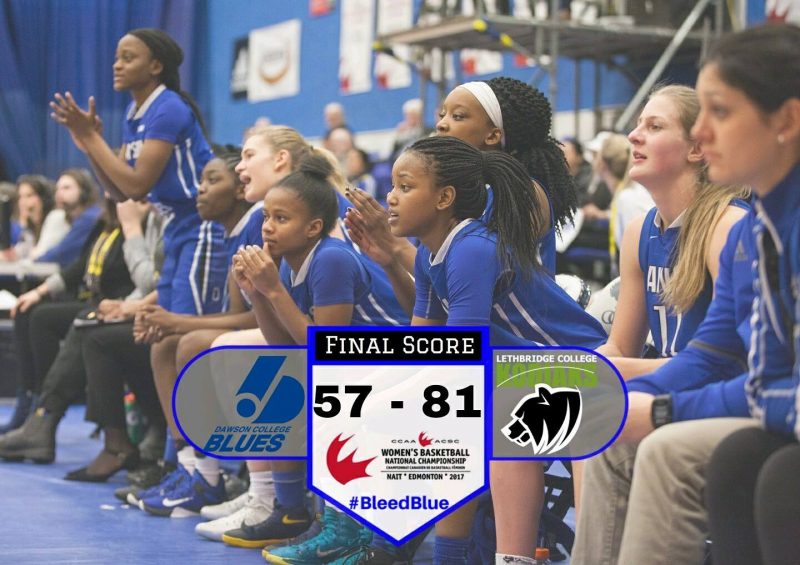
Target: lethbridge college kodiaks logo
column 347, row 469
column 282, row 405
column 547, row 419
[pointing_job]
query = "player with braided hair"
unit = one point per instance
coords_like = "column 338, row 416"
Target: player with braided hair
column 527, row 122
column 440, row 196
column 502, row 114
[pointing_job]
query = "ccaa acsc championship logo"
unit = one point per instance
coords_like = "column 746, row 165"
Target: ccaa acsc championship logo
column 244, row 402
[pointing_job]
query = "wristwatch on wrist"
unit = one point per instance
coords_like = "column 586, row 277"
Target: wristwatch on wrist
column 661, row 411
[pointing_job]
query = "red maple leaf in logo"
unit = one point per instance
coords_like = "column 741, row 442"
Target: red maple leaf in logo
column 423, row 440
column 347, row 469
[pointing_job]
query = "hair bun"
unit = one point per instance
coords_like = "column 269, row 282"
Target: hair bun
column 316, row 165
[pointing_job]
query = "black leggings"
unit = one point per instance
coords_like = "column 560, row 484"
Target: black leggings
column 39, row 332
column 753, row 498
column 112, row 359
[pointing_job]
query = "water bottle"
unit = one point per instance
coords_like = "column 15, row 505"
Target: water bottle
column 133, row 419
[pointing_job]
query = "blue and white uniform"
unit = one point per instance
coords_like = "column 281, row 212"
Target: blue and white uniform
column 773, row 381
column 671, row 331
column 333, row 273
column 243, row 234
column 706, row 378
column 519, row 311
column 192, row 279
column 754, row 317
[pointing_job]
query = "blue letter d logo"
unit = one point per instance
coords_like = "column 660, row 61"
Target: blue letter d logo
column 286, row 400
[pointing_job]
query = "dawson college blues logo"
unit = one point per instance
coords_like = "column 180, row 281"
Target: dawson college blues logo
column 546, row 419
column 244, row 403
column 282, row 405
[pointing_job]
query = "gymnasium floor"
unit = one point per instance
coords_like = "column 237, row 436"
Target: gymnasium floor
column 48, row 520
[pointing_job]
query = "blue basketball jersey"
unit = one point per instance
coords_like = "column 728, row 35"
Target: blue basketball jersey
column 334, row 274
column 382, row 290
column 466, row 284
column 246, row 232
column 195, row 265
column 671, row 331
column 167, row 117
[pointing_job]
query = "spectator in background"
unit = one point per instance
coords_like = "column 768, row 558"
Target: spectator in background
column 631, row 199
column 411, row 128
column 592, row 218
column 334, row 117
column 261, row 122
column 9, row 227
column 41, row 224
column 599, row 193
column 579, row 168
column 359, row 171
column 41, row 325
column 76, row 194
column 339, row 142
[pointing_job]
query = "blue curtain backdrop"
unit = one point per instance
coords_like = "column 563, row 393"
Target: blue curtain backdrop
column 49, row 46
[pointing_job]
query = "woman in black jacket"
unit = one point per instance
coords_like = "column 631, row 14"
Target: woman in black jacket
column 41, row 324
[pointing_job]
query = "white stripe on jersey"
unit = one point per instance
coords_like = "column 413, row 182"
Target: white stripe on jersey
column 207, row 272
column 190, row 160
column 381, row 311
column 363, row 313
column 179, row 167
column 198, row 303
column 530, row 320
column 431, row 297
column 505, row 318
column 756, row 342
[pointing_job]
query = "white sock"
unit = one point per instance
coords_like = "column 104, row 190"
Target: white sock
column 262, row 487
column 208, row 467
column 505, row 559
column 187, row 459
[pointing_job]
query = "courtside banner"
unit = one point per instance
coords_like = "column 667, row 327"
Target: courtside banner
column 397, row 422
column 555, row 403
column 244, row 402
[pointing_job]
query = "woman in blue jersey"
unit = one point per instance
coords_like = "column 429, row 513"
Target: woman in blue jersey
column 661, row 468
column 177, row 338
column 321, row 281
column 749, row 125
column 164, row 150
column 669, row 258
column 439, row 192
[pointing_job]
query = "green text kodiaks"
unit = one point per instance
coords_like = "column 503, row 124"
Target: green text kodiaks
column 528, row 375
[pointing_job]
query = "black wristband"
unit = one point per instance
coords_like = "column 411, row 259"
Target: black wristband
column 661, row 411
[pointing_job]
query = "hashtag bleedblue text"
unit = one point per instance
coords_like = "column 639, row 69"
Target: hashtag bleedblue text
column 405, row 503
